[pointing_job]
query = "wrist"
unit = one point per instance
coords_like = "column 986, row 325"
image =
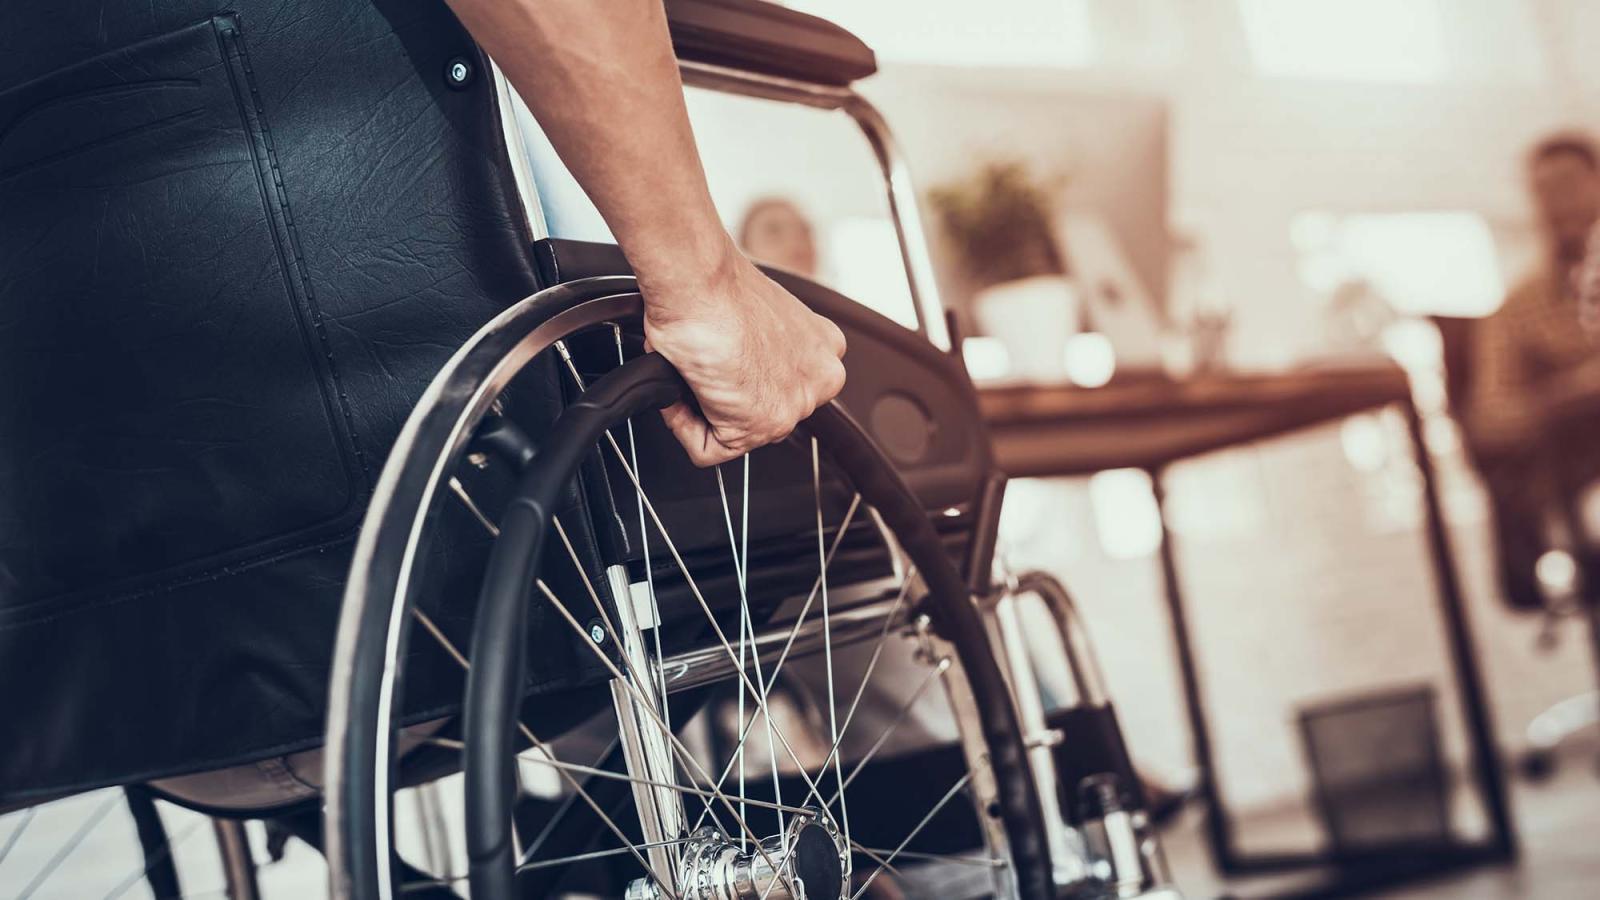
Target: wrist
column 687, row 274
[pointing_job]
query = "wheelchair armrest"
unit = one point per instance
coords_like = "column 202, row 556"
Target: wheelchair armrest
column 767, row 39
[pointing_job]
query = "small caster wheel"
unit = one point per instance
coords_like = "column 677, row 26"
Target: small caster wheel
column 1537, row 764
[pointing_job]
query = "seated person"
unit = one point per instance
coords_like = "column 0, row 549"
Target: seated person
column 1535, row 373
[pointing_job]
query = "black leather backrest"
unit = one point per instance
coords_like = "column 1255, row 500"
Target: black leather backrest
column 259, row 220
column 237, row 239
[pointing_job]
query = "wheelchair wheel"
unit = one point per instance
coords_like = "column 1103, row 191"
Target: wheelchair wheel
column 802, row 600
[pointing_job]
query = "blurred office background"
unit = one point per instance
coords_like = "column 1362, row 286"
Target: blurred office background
column 1262, row 185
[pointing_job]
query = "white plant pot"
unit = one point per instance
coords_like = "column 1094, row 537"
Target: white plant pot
column 1032, row 318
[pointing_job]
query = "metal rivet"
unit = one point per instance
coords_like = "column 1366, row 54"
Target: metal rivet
column 458, row 73
column 597, row 633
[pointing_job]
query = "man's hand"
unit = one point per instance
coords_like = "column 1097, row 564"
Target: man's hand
column 604, row 85
column 757, row 360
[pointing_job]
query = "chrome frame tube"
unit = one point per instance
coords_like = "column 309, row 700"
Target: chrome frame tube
column 644, row 747
column 1006, row 624
column 511, row 110
column 900, row 191
column 705, row 665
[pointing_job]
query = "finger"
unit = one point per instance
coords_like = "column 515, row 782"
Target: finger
column 695, row 436
column 836, row 341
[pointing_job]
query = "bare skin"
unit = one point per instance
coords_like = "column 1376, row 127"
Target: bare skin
column 602, row 80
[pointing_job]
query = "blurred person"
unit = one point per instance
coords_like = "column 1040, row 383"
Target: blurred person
column 1535, row 373
column 776, row 231
column 1589, row 288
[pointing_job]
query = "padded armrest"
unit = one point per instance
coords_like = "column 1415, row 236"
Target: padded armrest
column 768, row 39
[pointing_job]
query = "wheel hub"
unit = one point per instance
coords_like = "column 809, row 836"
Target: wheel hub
column 812, row 863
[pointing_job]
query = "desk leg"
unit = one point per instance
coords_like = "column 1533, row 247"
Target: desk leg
column 1463, row 656
column 1218, row 831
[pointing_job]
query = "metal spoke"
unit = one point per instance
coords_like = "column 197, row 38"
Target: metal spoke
column 450, row 647
column 711, row 618
column 72, row 843
column 905, row 709
column 596, row 854
column 165, row 851
column 16, row 833
column 597, row 772
column 954, row 789
column 985, row 861
column 694, row 588
column 794, row 632
column 682, row 752
column 874, row 855
column 566, row 805
column 472, row 507
column 527, row 866
column 866, row 677
column 741, row 562
column 827, row 641
column 649, row 571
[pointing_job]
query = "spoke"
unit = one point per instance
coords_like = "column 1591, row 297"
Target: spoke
column 679, row 750
column 16, row 833
column 72, row 843
column 905, row 709
column 597, row 854
column 527, row 866
column 682, row 752
column 711, row 618
column 741, row 562
column 472, row 507
column 984, row 861
column 636, row 677
column 866, row 677
column 827, row 642
column 450, row 647
column 954, row 789
column 566, row 805
column 597, row 772
column 649, row 572
column 874, row 855
column 794, row 632
column 165, row 851
column 694, row 589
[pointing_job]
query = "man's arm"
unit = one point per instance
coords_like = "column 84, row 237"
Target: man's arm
column 602, row 80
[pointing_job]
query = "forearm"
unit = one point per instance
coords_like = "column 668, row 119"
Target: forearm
column 602, row 81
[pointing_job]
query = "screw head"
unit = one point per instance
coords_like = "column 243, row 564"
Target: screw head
column 458, row 73
column 596, row 633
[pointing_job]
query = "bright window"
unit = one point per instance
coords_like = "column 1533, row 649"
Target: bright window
column 1420, row 263
column 1355, row 40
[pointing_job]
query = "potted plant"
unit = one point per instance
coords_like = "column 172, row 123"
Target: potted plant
column 998, row 222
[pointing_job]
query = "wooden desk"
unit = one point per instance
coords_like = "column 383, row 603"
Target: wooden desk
column 1149, row 423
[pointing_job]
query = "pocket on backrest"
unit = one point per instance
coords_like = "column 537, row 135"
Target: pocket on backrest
column 168, row 407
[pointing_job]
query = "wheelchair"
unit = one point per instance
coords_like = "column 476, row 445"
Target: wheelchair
column 798, row 675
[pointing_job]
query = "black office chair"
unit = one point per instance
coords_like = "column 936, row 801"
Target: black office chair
column 1522, row 587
